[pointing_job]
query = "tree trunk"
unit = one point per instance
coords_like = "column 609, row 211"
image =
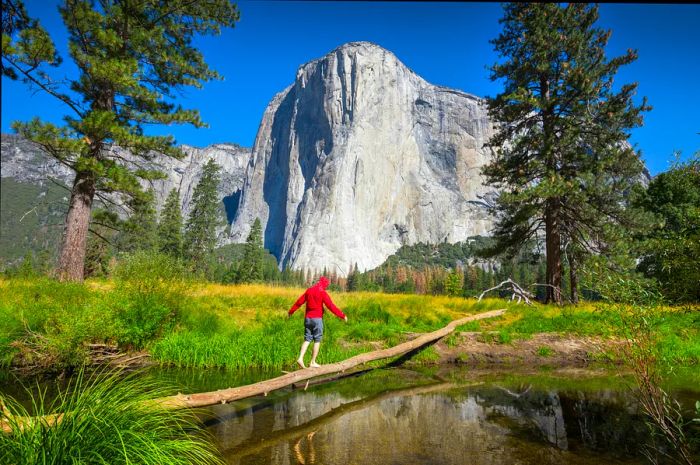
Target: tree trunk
column 573, row 277
column 553, row 248
column 75, row 230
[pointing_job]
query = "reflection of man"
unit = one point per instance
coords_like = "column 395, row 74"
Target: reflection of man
column 312, row 451
column 315, row 297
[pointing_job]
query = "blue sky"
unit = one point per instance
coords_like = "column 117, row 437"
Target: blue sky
column 446, row 43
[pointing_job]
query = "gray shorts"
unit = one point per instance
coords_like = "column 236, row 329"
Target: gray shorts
column 313, row 329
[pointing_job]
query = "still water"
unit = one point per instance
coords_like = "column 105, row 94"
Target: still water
column 449, row 415
column 446, row 415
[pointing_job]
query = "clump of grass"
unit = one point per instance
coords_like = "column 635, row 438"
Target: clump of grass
column 106, row 418
column 451, row 340
column 471, row 326
column 504, row 337
column 544, row 351
column 426, row 355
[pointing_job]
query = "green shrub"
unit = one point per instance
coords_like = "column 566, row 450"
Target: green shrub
column 150, row 290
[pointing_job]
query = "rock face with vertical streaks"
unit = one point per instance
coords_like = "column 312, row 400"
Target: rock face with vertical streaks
column 360, row 156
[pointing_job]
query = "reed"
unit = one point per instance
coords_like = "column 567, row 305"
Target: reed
column 105, row 419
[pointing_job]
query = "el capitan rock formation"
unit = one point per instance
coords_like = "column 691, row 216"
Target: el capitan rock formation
column 360, row 156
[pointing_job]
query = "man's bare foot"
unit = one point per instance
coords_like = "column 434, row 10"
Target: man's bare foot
column 300, row 362
column 314, row 365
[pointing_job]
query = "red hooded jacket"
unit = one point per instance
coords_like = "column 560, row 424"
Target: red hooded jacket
column 315, row 297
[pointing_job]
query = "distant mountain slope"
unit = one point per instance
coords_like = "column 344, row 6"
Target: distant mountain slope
column 31, row 218
column 36, row 183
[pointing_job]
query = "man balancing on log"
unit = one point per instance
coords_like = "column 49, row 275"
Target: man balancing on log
column 315, row 298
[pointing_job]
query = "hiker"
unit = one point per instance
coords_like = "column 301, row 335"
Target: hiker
column 315, row 297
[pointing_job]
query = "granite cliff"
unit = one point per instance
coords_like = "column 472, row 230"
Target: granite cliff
column 359, row 156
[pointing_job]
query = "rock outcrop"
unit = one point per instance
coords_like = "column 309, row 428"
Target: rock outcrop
column 360, row 156
column 25, row 162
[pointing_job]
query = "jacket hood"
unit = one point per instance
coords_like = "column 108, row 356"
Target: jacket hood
column 323, row 281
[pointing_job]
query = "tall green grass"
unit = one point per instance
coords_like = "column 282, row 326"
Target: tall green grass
column 151, row 305
column 209, row 339
column 107, row 419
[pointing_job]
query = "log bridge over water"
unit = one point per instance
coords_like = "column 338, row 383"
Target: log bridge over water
column 223, row 396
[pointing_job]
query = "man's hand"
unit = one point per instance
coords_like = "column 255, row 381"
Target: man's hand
column 345, row 319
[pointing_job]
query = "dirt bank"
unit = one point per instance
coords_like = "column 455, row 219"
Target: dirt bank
column 544, row 349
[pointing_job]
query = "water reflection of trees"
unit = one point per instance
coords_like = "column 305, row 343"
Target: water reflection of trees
column 503, row 423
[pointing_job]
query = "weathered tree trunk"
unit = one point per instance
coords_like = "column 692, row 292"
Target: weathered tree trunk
column 75, row 230
column 553, row 248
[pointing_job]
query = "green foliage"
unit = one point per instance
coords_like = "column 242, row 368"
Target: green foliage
column 24, row 41
column 453, row 284
column 445, row 255
column 46, row 324
column 152, row 288
column 200, row 231
column 671, row 251
column 139, row 230
column 544, row 351
column 106, row 418
column 97, row 256
column 131, row 59
column 170, row 226
column 250, row 268
column 621, row 286
column 561, row 157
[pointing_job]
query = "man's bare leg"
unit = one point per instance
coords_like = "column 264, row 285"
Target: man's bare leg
column 314, row 354
column 300, row 360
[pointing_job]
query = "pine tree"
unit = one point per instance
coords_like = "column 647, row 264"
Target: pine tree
column 561, row 159
column 170, row 226
column 131, row 58
column 140, row 230
column 453, row 284
column 200, row 231
column 251, row 266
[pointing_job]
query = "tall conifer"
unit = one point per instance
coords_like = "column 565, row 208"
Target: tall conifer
column 131, row 57
column 200, row 232
column 561, row 158
column 170, row 226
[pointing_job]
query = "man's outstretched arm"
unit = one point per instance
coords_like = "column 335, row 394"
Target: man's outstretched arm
column 300, row 301
column 331, row 306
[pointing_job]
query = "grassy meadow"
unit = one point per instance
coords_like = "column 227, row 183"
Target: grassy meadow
column 49, row 325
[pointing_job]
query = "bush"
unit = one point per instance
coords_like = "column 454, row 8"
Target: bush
column 150, row 291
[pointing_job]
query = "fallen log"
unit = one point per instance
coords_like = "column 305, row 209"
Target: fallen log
column 263, row 387
column 223, row 396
